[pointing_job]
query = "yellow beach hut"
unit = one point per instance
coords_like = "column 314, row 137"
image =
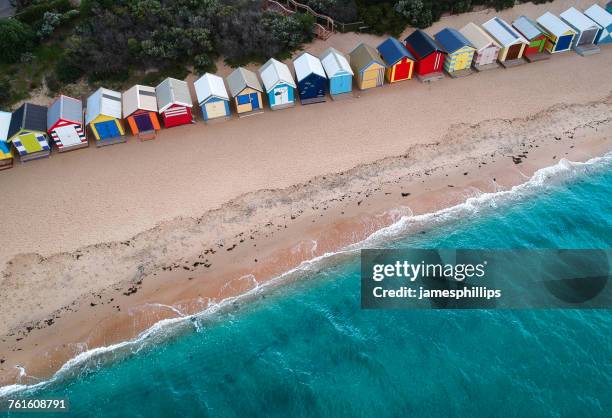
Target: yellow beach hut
column 28, row 132
column 103, row 117
column 368, row 66
column 458, row 50
column 6, row 155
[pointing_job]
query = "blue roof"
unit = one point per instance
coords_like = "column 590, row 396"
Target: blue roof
column 451, row 40
column 422, row 43
column 392, row 51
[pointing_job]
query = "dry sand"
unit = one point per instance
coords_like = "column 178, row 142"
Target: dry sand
column 225, row 205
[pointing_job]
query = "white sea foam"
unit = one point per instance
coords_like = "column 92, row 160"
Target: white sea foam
column 162, row 330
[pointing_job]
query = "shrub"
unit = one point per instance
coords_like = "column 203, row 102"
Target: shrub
column 16, row 38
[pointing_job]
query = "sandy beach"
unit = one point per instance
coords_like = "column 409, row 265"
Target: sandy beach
column 138, row 232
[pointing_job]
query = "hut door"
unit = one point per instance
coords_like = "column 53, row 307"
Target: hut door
column 514, row 51
column 588, row 37
column 281, row 95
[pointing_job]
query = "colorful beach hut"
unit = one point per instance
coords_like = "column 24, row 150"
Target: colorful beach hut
column 246, row 92
column 174, row 102
column 427, row 53
column 398, row 60
column 140, row 110
column 586, row 30
column 311, row 78
column 103, row 117
column 534, row 35
column 65, row 124
column 212, row 97
column 28, row 132
column 458, row 50
column 338, row 71
column 559, row 35
column 6, row 155
column 487, row 49
column 279, row 84
column 604, row 19
column 368, row 66
column 512, row 43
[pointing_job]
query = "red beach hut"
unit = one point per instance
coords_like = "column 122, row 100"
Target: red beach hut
column 429, row 56
column 174, row 102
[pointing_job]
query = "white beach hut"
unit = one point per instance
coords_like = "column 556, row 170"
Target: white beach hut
column 212, row 97
column 600, row 16
column 586, row 31
column 279, row 84
column 511, row 42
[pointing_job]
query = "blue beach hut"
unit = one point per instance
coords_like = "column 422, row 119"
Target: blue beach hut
column 212, row 97
column 311, row 78
column 604, row 19
column 278, row 83
column 338, row 71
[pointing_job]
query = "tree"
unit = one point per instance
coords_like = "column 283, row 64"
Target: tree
column 15, row 39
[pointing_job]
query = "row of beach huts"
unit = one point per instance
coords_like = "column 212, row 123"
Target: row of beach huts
column 31, row 130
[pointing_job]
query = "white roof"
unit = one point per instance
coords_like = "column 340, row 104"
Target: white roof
column 103, row 102
column 307, row 64
column 139, row 98
column 5, row 122
column 477, row 36
column 553, row 25
column 599, row 15
column 274, row 72
column 334, row 62
column 172, row 91
column 503, row 32
column 210, row 85
column 578, row 20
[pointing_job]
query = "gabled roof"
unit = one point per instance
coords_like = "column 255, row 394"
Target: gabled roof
column 5, row 123
column 274, row 72
column 29, row 117
column 451, row 40
column 422, row 43
column 393, row 51
column 307, row 64
column 527, row 27
column 578, row 20
column 65, row 108
column 242, row 78
column 503, row 32
column 139, row 98
column 172, row 92
column 103, row 102
column 210, row 85
column 599, row 15
column 363, row 55
column 477, row 36
column 335, row 63
column 553, row 25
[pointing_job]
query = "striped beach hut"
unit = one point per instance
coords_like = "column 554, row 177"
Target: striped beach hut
column 174, row 102
column 139, row 105
column 368, row 66
column 604, row 19
column 512, row 43
column 398, row 60
column 103, row 117
column 311, row 78
column 246, row 92
column 559, row 35
column 585, row 28
column 533, row 33
column 338, row 71
column 459, row 51
column 28, row 132
column 487, row 48
column 212, row 97
column 6, row 155
column 65, row 124
column 428, row 54
column 279, row 84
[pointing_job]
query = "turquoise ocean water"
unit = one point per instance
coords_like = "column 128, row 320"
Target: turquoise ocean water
column 307, row 349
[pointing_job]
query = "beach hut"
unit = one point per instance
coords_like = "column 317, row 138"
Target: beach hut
column 279, row 84
column 174, row 102
column 246, row 92
column 511, row 42
column 559, row 36
column 103, row 117
column 458, row 50
column 398, row 60
column 28, row 132
column 65, row 124
column 487, row 49
column 428, row 55
column 604, row 19
column 212, row 97
column 609, row 7
column 140, row 110
column 534, row 35
column 586, row 31
column 311, row 78
column 338, row 71
column 6, row 155
column 368, row 66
